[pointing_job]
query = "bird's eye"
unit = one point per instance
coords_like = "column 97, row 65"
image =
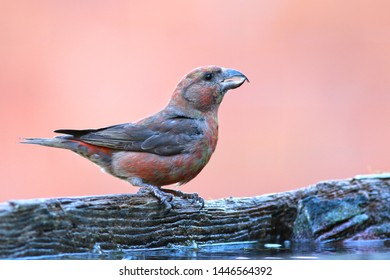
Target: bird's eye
column 208, row 76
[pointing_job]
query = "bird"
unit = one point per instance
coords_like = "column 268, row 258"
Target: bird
column 171, row 146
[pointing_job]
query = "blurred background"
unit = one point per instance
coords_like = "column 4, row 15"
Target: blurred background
column 317, row 107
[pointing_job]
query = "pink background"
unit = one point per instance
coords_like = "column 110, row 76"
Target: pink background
column 317, row 107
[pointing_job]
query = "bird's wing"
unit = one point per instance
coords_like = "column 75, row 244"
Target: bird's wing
column 168, row 137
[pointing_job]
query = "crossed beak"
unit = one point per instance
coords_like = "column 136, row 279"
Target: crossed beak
column 231, row 79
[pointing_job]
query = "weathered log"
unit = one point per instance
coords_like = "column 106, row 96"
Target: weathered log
column 352, row 209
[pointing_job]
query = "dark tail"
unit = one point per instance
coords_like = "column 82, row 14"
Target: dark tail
column 57, row 142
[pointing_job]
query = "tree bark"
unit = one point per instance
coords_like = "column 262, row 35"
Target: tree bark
column 352, row 209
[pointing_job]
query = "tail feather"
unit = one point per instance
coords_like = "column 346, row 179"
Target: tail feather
column 100, row 156
column 56, row 142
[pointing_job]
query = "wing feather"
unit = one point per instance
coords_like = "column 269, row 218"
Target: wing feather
column 169, row 137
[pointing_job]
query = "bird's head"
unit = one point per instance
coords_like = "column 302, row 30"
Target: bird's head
column 204, row 88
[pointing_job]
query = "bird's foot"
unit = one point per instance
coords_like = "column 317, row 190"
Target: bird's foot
column 164, row 198
column 191, row 196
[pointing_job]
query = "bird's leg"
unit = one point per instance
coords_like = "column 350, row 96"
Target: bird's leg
column 193, row 196
column 162, row 196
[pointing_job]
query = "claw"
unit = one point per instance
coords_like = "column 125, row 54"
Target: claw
column 201, row 201
column 192, row 196
column 163, row 197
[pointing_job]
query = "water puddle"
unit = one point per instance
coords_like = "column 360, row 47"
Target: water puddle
column 350, row 250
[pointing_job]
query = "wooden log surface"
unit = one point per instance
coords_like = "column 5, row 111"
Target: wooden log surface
column 351, row 209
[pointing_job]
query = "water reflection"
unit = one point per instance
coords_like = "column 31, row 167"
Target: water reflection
column 253, row 250
column 351, row 250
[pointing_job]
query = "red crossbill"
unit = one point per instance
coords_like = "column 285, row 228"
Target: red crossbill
column 171, row 146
